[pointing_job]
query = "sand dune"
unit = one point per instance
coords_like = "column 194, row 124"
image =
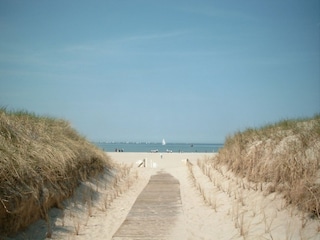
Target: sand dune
column 214, row 206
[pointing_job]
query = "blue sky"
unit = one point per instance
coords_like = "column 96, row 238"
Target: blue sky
column 143, row 70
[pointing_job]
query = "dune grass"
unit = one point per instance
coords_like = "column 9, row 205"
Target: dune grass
column 42, row 161
column 285, row 155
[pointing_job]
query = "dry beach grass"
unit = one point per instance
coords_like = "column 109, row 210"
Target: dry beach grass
column 42, row 161
column 285, row 155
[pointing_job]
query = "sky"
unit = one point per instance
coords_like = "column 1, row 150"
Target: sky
column 143, row 70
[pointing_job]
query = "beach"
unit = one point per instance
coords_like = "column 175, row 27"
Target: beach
column 162, row 160
column 197, row 220
column 221, row 206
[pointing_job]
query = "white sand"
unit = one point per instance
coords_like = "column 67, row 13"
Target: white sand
column 228, row 209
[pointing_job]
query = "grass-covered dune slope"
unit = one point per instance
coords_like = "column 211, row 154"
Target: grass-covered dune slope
column 285, row 155
column 42, row 161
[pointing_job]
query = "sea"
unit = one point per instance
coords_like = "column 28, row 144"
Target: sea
column 158, row 147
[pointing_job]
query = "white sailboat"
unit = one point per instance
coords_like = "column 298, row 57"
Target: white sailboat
column 163, row 142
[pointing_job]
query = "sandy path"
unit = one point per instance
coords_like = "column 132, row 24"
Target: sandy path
column 197, row 218
column 190, row 222
column 155, row 213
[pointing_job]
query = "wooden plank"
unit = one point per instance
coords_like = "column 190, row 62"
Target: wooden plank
column 155, row 211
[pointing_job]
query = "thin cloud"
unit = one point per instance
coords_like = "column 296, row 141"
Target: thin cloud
column 117, row 45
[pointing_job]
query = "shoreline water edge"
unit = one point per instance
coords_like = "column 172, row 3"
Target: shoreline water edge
column 159, row 147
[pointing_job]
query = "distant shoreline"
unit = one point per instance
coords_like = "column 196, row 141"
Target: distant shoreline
column 147, row 142
column 159, row 147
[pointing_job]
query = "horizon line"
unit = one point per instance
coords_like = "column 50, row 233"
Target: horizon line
column 148, row 142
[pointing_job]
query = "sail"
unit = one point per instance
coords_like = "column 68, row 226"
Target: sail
column 163, row 142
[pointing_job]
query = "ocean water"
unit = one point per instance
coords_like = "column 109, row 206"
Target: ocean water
column 158, row 147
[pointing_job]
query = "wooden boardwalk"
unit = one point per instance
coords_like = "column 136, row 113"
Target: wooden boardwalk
column 154, row 214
